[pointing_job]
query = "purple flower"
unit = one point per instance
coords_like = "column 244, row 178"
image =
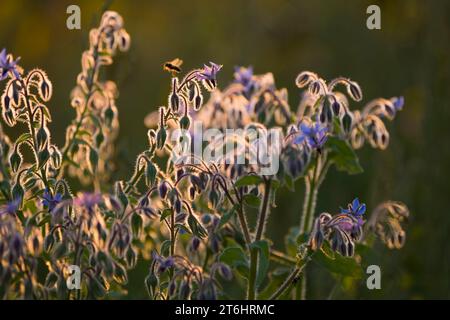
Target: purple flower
column 7, row 64
column 88, row 200
column 244, row 76
column 163, row 263
column 356, row 209
column 398, row 103
column 10, row 207
column 209, row 72
column 51, row 201
column 314, row 134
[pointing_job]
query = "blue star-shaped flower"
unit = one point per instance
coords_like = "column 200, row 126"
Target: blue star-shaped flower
column 355, row 208
column 315, row 135
column 7, row 64
column 209, row 72
column 51, row 201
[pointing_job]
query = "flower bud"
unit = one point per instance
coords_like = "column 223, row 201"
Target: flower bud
column 336, row 106
column 9, row 117
column 184, row 291
column 303, row 79
column 195, row 243
column 15, row 160
column 55, row 157
column 42, row 137
column 109, row 116
column 177, row 205
column 163, row 189
column 174, row 101
column 185, row 123
column 150, row 173
column 347, row 122
column 45, row 89
column 136, row 224
column 43, row 157
column 225, row 272
column 198, row 102
column 354, row 91
column 161, row 137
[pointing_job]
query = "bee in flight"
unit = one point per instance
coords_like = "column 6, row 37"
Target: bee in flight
column 173, row 66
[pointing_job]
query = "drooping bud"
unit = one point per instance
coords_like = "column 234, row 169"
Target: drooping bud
column 163, row 189
column 161, row 137
column 15, row 160
column 185, row 122
column 198, row 102
column 109, row 116
column 45, row 89
column 303, row 79
column 150, row 173
column 354, row 91
column 347, row 122
column 42, row 137
column 55, row 157
column 43, row 157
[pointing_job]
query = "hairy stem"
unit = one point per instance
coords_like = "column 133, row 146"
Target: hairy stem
column 90, row 84
column 262, row 217
column 33, row 133
column 292, row 278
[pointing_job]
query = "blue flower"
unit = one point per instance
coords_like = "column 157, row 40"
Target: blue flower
column 88, row 200
column 398, row 103
column 209, row 72
column 51, row 201
column 10, row 207
column 315, row 135
column 7, row 64
column 355, row 208
column 244, row 76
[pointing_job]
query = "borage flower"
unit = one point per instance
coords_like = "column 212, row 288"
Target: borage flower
column 314, row 134
column 7, row 64
column 88, row 200
column 51, row 201
column 208, row 75
column 356, row 209
column 10, row 207
column 244, row 76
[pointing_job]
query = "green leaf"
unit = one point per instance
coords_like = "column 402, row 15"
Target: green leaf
column 252, row 200
column 263, row 262
column 338, row 264
column 166, row 213
column 136, row 224
column 227, row 216
column 235, row 257
column 248, row 180
column 343, row 156
column 23, row 137
column 165, row 248
column 276, row 278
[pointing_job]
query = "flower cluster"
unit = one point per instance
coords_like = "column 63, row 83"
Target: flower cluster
column 89, row 148
column 186, row 217
column 341, row 230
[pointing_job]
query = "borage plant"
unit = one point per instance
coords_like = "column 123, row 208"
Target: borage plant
column 187, row 210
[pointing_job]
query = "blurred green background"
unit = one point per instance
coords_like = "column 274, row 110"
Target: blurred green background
column 409, row 56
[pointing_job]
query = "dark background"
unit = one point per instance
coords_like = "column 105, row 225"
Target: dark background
column 409, row 56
